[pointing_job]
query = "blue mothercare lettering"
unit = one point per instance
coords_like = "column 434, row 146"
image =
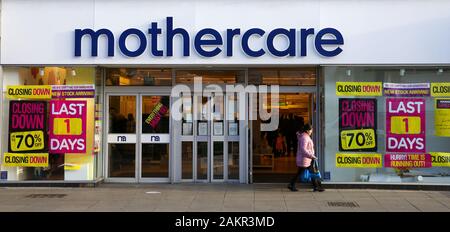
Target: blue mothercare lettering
column 209, row 42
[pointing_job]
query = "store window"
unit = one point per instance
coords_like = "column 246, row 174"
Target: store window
column 138, row 77
column 283, row 77
column 387, row 124
column 210, row 76
column 51, row 133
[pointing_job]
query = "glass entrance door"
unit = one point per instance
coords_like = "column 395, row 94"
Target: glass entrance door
column 154, row 125
column 122, row 137
column 138, row 138
column 210, row 140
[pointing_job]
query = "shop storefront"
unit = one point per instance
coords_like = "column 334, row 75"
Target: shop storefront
column 184, row 93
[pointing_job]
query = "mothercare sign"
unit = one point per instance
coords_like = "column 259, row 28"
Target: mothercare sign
column 67, row 126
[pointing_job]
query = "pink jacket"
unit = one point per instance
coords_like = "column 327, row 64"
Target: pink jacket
column 305, row 150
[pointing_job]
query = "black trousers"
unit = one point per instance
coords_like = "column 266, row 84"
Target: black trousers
column 315, row 182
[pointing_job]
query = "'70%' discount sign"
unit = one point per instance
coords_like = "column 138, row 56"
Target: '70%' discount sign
column 67, row 126
column 405, row 125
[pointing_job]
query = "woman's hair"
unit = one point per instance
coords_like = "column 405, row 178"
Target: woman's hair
column 307, row 127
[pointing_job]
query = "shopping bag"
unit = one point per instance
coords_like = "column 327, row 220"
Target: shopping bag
column 305, row 177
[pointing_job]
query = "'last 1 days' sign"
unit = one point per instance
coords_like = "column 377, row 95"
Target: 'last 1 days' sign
column 357, row 124
column 405, row 125
column 67, row 126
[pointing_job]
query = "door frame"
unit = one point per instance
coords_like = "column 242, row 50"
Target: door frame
column 106, row 143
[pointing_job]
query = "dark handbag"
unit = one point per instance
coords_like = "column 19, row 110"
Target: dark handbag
column 314, row 168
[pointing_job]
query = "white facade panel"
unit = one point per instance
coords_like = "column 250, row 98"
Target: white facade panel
column 374, row 32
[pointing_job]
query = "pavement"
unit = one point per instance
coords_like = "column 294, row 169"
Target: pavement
column 217, row 197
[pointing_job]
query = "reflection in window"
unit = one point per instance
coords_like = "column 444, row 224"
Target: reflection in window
column 288, row 77
column 187, row 126
column 233, row 160
column 121, row 160
column 138, row 77
column 210, row 76
column 186, row 160
column 203, row 112
column 233, row 115
column 218, row 114
column 218, row 160
column 122, row 111
column 202, row 160
column 155, row 160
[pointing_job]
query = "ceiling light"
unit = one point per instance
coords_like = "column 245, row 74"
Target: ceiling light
column 349, row 72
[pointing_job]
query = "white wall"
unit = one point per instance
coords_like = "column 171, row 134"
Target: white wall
column 375, row 32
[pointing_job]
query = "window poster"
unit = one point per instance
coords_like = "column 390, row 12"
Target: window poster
column 25, row 160
column 357, row 124
column 67, row 126
column 407, row 161
column 440, row 89
column 73, row 91
column 353, row 160
column 359, row 89
column 218, row 128
column 442, row 117
column 440, row 159
column 29, row 92
column 406, row 89
column 187, row 128
column 405, row 125
column 97, row 136
column 202, row 128
column 233, row 128
column 158, row 111
column 27, row 126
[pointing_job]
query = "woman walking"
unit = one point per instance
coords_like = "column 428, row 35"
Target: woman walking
column 305, row 154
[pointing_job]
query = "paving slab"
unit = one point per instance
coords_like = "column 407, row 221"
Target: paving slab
column 270, row 206
column 223, row 197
